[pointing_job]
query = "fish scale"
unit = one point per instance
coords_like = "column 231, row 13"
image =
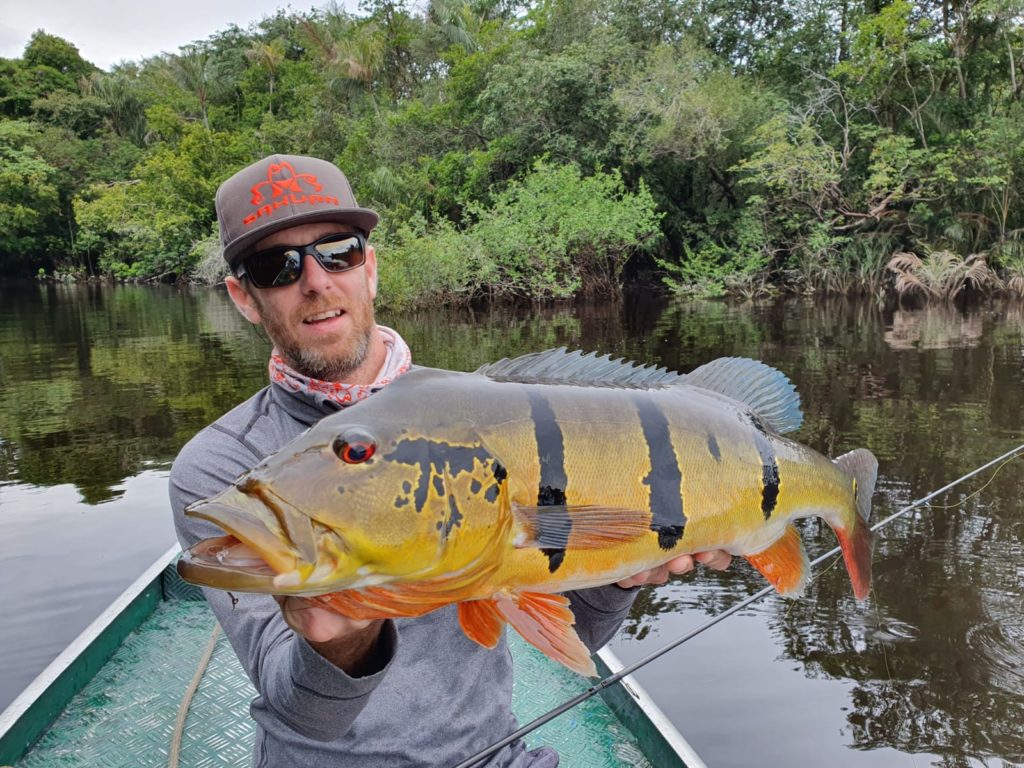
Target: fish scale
column 529, row 478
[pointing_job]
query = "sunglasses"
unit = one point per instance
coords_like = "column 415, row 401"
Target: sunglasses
column 282, row 265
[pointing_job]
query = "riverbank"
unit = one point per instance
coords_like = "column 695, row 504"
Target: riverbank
column 906, row 280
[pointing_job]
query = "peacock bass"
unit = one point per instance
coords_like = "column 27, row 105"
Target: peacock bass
column 499, row 489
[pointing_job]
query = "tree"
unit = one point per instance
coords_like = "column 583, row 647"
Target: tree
column 120, row 92
column 147, row 227
column 360, row 57
column 45, row 50
column 682, row 106
column 267, row 56
column 559, row 104
column 894, row 66
column 196, row 72
column 29, row 201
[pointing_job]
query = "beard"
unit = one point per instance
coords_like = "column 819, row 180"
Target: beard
column 335, row 357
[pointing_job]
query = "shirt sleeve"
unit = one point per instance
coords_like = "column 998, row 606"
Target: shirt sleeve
column 600, row 612
column 299, row 686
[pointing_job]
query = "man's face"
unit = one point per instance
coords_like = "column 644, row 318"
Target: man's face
column 322, row 324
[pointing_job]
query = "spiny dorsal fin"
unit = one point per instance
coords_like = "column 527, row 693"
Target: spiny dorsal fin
column 768, row 393
column 559, row 366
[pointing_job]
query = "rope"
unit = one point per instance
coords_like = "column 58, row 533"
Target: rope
column 612, row 679
column 186, row 700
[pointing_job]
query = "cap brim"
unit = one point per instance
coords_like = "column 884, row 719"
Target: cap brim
column 362, row 219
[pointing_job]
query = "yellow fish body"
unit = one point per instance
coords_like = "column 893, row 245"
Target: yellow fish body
column 499, row 489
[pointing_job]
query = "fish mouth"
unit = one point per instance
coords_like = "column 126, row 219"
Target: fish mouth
column 271, row 546
column 225, row 562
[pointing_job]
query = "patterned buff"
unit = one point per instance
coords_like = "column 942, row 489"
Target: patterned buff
column 397, row 362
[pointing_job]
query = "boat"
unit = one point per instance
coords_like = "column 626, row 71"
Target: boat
column 151, row 682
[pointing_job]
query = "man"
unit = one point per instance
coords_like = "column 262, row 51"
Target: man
column 335, row 691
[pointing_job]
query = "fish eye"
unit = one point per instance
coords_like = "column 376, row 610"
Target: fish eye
column 354, row 447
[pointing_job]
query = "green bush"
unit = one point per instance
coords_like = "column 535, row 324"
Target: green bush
column 418, row 264
column 557, row 233
column 147, row 228
column 714, row 268
column 554, row 234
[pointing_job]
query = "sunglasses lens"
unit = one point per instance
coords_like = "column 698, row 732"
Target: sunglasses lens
column 283, row 266
column 341, row 253
column 271, row 268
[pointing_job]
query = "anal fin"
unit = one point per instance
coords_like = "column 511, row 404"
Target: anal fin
column 546, row 622
column 784, row 563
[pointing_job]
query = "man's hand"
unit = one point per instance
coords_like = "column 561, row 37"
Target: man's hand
column 351, row 644
column 715, row 558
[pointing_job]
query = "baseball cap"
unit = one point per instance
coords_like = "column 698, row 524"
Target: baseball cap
column 282, row 191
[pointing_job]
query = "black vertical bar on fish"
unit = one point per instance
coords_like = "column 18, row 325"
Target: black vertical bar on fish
column 556, row 526
column 665, row 478
column 769, row 469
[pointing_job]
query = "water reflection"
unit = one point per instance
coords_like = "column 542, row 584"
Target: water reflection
column 94, row 382
column 934, row 327
column 99, row 387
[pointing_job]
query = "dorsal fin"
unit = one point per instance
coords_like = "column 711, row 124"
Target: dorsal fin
column 768, row 393
column 559, row 366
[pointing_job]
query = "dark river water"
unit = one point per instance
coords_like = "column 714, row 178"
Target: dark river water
column 99, row 387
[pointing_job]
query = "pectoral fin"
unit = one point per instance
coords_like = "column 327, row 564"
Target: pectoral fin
column 380, row 602
column 579, row 527
column 784, row 563
column 544, row 621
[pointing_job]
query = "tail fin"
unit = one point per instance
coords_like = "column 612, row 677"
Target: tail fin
column 856, row 539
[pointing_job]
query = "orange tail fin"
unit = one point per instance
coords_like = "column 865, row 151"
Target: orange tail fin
column 855, row 538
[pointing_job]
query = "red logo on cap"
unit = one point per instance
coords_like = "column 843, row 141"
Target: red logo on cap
column 287, row 181
column 286, row 187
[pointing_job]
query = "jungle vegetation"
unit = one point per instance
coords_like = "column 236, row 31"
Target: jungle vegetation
column 552, row 147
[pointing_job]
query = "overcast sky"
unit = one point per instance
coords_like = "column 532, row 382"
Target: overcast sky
column 109, row 31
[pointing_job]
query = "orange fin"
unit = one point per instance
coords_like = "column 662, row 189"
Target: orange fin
column 379, row 602
column 348, row 603
column 784, row 563
column 546, row 622
column 481, row 621
column 855, row 537
column 579, row 527
column 857, row 545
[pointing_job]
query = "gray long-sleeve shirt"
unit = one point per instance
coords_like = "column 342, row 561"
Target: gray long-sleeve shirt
column 439, row 699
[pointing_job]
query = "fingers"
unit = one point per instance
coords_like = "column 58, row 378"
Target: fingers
column 680, row 565
column 660, row 574
column 716, row 559
column 636, row 580
column 315, row 623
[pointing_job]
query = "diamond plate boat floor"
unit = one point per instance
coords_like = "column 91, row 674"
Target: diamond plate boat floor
column 124, row 717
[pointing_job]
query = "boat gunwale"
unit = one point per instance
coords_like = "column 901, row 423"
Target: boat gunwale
column 674, row 751
column 20, row 726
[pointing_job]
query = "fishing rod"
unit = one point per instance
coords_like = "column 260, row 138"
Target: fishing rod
column 628, row 670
